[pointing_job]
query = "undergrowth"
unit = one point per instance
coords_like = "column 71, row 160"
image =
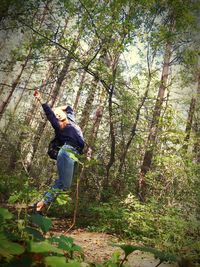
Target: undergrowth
column 151, row 224
column 30, row 245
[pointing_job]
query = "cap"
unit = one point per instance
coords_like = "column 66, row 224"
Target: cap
column 70, row 113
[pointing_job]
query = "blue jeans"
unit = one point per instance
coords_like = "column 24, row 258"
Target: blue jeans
column 65, row 167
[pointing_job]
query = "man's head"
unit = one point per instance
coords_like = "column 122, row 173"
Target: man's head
column 60, row 114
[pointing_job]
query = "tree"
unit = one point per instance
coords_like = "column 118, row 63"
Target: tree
column 174, row 26
column 196, row 126
column 15, row 83
column 88, row 105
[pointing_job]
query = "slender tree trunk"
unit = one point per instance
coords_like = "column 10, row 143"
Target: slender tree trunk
column 112, row 136
column 23, row 91
column 88, row 105
column 94, row 130
column 189, row 123
column 111, row 122
column 61, row 76
column 18, row 102
column 79, row 91
column 154, row 127
column 97, row 119
column 5, row 103
column 133, row 130
column 197, row 123
column 113, row 63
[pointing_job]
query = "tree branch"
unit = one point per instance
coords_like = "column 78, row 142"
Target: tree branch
column 84, row 64
column 93, row 24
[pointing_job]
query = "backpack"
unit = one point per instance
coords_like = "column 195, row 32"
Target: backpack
column 53, row 149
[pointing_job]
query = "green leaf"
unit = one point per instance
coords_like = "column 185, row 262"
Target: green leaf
column 13, row 198
column 72, row 155
column 43, row 247
column 128, row 249
column 6, row 215
column 73, row 264
column 23, row 261
column 66, row 243
column 35, row 233
column 62, row 199
column 58, row 239
column 197, row 245
column 115, row 258
column 43, row 222
column 8, row 248
column 55, row 261
column 114, row 261
column 77, row 248
column 162, row 256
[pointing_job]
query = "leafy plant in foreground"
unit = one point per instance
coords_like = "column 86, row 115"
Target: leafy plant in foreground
column 7, row 248
column 162, row 256
column 36, row 249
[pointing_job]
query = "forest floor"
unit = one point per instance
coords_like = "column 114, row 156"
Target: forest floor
column 98, row 247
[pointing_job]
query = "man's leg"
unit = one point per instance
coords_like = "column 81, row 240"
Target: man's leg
column 65, row 166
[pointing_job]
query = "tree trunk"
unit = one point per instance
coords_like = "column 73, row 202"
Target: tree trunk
column 79, row 91
column 97, row 119
column 189, row 123
column 14, row 85
column 154, row 127
column 94, row 130
column 133, row 130
column 17, row 103
column 88, row 105
column 197, row 123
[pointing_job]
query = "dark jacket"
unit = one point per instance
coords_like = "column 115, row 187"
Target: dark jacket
column 70, row 134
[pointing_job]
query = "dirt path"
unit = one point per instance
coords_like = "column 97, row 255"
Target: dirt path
column 98, row 247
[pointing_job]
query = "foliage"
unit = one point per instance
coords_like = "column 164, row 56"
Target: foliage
column 154, row 224
column 162, row 256
column 35, row 243
column 7, row 248
column 54, row 250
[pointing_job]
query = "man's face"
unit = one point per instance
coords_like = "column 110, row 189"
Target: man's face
column 60, row 114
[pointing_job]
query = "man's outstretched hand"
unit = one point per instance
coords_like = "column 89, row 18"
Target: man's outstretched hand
column 37, row 95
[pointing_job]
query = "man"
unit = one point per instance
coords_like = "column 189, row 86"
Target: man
column 70, row 139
